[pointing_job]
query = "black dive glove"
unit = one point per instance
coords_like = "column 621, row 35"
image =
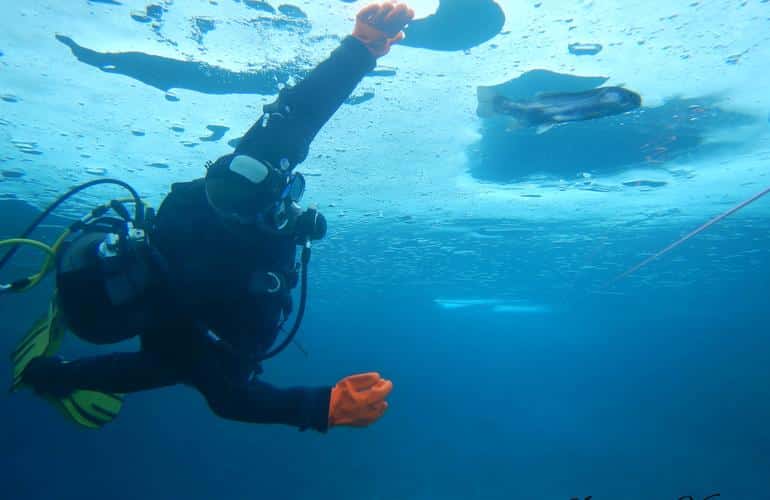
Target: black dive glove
column 310, row 225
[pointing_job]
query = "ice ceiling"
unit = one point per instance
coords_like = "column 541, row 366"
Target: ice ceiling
column 148, row 92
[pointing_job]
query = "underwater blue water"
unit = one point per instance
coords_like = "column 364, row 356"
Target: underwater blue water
column 650, row 391
column 522, row 369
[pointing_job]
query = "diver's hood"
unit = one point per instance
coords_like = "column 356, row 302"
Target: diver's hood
column 241, row 187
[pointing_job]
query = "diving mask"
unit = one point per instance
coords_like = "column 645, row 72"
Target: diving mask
column 280, row 213
column 251, row 191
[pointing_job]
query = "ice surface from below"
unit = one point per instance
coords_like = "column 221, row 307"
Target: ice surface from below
column 410, row 147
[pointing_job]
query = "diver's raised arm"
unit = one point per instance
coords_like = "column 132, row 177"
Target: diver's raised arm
column 290, row 123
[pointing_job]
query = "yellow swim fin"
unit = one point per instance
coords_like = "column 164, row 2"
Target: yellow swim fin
column 91, row 409
column 43, row 339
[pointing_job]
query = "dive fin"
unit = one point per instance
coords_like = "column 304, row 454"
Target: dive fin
column 91, row 409
column 542, row 129
column 43, row 339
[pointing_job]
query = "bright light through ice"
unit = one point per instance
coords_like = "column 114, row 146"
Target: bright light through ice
column 404, row 151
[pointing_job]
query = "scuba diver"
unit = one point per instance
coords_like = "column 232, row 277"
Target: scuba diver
column 206, row 281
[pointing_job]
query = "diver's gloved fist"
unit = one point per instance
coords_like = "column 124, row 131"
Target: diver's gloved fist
column 359, row 400
column 310, row 225
column 379, row 26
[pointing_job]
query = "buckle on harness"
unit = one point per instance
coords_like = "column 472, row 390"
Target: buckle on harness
column 276, row 280
column 272, row 282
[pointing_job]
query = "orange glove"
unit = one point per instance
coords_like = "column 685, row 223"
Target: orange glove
column 359, row 400
column 379, row 26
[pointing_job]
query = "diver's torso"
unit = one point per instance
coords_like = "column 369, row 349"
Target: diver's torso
column 211, row 269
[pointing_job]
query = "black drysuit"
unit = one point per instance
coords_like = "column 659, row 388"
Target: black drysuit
column 207, row 284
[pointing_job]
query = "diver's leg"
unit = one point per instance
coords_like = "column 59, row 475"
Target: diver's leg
column 117, row 373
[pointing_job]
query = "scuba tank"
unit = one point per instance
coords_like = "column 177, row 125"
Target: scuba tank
column 103, row 279
column 104, row 267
